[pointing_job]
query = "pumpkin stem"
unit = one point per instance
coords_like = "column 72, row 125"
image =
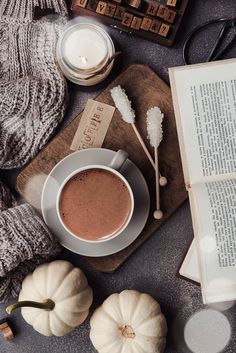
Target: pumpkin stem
column 48, row 305
column 127, row 331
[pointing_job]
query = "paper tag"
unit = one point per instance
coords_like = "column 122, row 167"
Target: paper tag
column 93, row 125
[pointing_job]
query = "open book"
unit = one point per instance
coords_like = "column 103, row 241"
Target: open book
column 204, row 99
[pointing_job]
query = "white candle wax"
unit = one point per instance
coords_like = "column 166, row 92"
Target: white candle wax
column 85, row 48
column 82, row 51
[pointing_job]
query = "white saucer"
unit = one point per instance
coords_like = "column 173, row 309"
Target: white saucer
column 68, row 165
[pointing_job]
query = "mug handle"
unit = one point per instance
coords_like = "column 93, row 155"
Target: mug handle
column 118, row 160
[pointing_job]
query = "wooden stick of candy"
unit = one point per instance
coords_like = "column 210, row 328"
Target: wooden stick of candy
column 123, row 104
column 155, row 135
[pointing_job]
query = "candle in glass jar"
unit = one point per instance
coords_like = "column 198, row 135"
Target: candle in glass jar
column 83, row 53
column 85, row 48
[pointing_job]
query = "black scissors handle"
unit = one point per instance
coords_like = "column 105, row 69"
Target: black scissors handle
column 227, row 25
column 218, row 42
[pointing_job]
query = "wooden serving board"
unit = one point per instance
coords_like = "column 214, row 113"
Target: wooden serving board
column 146, row 90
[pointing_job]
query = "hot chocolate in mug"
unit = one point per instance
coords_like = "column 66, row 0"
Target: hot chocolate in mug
column 95, row 203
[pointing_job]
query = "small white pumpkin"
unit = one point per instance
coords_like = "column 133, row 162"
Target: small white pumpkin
column 129, row 322
column 55, row 298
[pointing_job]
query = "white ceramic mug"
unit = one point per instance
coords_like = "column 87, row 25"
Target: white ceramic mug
column 114, row 167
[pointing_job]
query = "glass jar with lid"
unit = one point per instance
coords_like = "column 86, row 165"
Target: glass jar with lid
column 85, row 53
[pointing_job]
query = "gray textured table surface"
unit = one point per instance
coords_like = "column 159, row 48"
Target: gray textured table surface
column 153, row 267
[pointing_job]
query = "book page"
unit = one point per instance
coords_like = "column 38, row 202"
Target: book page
column 215, row 234
column 205, row 107
column 189, row 267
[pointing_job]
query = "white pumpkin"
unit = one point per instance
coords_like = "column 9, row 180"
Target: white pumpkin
column 59, row 295
column 129, row 322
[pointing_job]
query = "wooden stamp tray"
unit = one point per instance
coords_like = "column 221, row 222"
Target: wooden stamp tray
column 146, row 90
column 158, row 21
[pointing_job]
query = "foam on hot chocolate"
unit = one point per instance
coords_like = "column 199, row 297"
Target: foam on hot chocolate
column 95, row 204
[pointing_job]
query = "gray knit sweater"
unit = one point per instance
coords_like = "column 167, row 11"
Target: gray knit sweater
column 32, row 103
column 32, row 89
column 25, row 242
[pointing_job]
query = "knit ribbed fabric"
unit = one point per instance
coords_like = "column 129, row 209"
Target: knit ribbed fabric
column 25, row 242
column 25, row 9
column 6, row 198
column 32, row 88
